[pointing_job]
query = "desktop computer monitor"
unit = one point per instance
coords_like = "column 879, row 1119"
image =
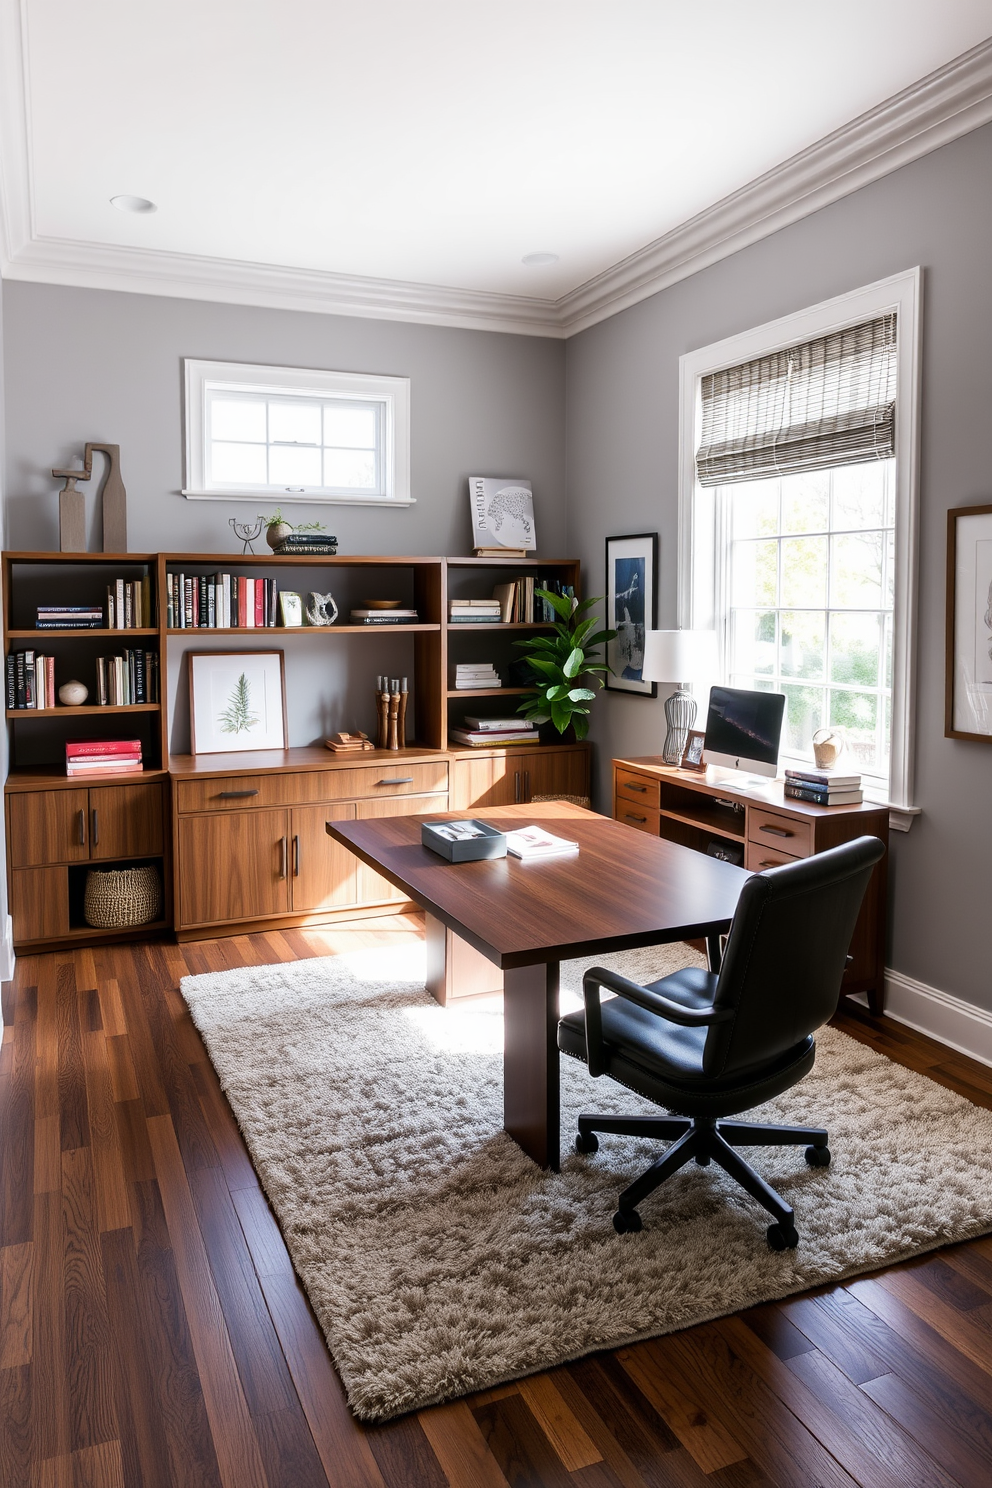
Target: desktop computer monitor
column 743, row 730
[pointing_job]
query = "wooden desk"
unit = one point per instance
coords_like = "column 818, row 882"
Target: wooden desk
column 624, row 889
column 717, row 810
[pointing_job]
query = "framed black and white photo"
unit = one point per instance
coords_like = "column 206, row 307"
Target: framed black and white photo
column 631, row 609
column 692, row 755
column 968, row 666
column 237, row 701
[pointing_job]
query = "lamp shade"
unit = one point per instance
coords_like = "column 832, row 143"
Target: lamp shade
column 679, row 655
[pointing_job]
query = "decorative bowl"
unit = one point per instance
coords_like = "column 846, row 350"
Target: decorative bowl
column 383, row 604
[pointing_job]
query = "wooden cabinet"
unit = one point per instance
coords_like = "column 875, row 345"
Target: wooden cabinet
column 39, row 903
column 372, row 887
column 235, row 866
column 504, row 777
column 758, row 828
column 125, row 821
column 48, row 827
column 324, row 874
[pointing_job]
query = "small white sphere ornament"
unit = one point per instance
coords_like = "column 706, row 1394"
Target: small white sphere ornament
column 73, row 694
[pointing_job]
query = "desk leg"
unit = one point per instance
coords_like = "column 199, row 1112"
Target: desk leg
column 530, row 1061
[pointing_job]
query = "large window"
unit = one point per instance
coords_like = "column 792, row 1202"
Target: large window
column 798, row 521
column 296, row 434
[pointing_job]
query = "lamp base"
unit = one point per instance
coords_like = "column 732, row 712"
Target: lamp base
column 680, row 715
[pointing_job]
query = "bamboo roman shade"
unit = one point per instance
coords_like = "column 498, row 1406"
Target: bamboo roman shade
column 828, row 402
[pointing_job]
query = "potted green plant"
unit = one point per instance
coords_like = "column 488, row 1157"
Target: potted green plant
column 277, row 529
column 561, row 664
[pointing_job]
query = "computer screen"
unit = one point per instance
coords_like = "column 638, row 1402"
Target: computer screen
column 743, row 729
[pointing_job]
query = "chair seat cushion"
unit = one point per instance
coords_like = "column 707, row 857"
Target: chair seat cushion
column 665, row 1062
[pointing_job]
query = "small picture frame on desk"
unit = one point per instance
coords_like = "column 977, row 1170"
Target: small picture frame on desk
column 237, row 701
column 692, row 756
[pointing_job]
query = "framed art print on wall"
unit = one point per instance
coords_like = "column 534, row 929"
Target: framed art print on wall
column 631, row 609
column 237, row 701
column 968, row 665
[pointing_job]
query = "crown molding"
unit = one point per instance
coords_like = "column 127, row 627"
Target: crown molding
column 948, row 103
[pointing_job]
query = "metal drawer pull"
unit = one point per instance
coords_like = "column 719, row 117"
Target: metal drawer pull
column 296, row 857
column 236, row 795
column 769, row 863
column 630, row 816
column 82, row 828
column 400, row 780
column 516, row 785
column 284, row 853
column 629, row 785
column 526, row 785
column 95, row 828
column 776, row 832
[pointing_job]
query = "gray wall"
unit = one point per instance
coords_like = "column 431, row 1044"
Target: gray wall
column 95, row 365
column 622, row 450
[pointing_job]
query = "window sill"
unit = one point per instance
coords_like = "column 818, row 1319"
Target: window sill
column 901, row 818
column 299, row 496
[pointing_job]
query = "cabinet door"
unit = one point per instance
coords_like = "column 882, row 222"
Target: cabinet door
column 39, row 902
column 325, row 874
column 372, row 887
column 126, row 820
column 489, row 780
column 552, row 772
column 233, row 867
column 48, row 827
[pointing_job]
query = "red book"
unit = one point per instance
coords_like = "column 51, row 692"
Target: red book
column 242, row 602
column 259, row 602
column 130, row 767
column 75, row 748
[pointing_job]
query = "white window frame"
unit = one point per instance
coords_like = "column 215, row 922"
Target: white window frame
column 391, row 393
column 702, row 550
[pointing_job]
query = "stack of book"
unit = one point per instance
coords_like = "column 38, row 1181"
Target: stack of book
column 384, row 617
column 219, row 601
column 823, row 787
column 129, row 604
column 471, row 675
column 70, row 617
column 315, row 544
column 481, row 733
column 30, row 680
column 469, row 611
column 126, row 679
column 103, row 757
column 519, row 604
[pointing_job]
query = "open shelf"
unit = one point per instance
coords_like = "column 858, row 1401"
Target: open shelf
column 83, row 710
column 502, row 625
column 255, row 630
column 714, row 822
column 80, row 630
column 470, row 692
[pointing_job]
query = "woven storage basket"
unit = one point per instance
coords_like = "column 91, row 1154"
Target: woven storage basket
column 572, row 800
column 122, row 897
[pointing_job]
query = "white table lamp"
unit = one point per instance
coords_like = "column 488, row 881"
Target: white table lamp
column 680, row 656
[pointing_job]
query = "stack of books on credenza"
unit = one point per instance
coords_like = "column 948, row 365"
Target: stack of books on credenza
column 474, row 611
column 823, row 787
column 488, row 733
column 472, row 675
column 103, row 757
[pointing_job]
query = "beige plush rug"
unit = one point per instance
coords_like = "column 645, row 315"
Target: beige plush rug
column 440, row 1260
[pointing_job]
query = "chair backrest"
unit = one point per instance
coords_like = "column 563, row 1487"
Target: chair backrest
column 785, row 955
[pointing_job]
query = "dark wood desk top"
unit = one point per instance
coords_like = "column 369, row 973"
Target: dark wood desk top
column 622, row 889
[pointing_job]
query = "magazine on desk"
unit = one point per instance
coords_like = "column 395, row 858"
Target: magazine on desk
column 534, row 842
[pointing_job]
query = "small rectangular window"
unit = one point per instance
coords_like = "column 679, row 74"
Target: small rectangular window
column 302, row 435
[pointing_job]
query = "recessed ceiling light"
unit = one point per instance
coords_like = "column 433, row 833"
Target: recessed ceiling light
column 139, row 204
column 539, row 260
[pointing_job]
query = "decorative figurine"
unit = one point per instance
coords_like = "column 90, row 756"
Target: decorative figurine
column 73, row 694
column 246, row 533
column 321, row 609
column 72, row 503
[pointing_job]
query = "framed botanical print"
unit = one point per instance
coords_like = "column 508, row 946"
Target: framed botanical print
column 237, row 701
column 968, row 665
column 631, row 609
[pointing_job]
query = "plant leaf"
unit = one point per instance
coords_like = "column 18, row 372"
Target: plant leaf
column 581, row 726
column 558, row 694
column 558, row 602
column 573, row 665
column 561, row 716
column 581, row 695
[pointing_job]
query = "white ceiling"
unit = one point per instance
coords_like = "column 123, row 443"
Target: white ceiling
column 430, row 142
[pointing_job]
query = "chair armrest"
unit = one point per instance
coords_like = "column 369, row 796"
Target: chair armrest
column 652, row 1002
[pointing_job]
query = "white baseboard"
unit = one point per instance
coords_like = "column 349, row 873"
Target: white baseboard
column 7, row 951
column 950, row 1020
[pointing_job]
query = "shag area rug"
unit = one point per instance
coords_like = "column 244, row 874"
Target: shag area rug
column 440, row 1260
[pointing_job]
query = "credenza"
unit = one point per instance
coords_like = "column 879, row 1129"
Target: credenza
column 754, row 825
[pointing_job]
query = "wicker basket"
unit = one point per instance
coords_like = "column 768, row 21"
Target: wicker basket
column 572, row 800
column 122, row 897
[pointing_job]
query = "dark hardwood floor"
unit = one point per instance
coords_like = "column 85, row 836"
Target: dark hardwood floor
column 152, row 1331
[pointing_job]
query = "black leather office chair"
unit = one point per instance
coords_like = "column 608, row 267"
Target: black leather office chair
column 708, row 1044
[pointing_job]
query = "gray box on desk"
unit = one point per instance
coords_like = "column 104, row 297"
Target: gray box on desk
column 490, row 844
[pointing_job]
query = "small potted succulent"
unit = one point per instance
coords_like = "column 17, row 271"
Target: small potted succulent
column 277, row 529
column 562, row 664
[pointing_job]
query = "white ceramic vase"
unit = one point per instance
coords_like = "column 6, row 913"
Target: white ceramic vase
column 73, row 694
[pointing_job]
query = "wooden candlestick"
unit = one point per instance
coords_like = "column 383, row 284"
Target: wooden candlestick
column 401, row 727
column 394, row 714
column 382, row 708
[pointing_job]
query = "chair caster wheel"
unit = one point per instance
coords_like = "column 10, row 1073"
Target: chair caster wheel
column 627, row 1222
column 783, row 1237
column 586, row 1142
column 818, row 1157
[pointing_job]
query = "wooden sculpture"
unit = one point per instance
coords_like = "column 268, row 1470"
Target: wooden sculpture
column 72, row 503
